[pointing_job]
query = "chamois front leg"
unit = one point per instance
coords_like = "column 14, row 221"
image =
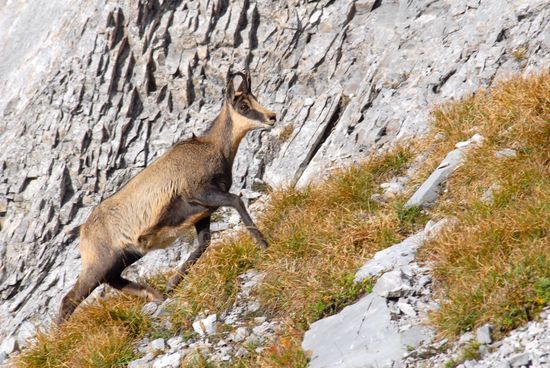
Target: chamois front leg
column 203, row 236
column 223, row 199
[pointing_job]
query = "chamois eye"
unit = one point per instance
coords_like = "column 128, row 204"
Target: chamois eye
column 244, row 107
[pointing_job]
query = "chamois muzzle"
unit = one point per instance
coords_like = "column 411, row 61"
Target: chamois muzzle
column 272, row 118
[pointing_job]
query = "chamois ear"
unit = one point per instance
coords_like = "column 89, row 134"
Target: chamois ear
column 229, row 89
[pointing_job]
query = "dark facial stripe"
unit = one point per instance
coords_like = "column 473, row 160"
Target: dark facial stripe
column 250, row 113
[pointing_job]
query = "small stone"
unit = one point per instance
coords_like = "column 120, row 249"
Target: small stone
column 144, row 362
column 462, row 144
column 394, row 310
column 483, row 334
column 393, row 284
column 424, row 280
column 262, row 329
column 157, row 345
column 206, row 326
column 392, row 188
column 253, row 306
column 440, row 344
column 407, row 309
column 240, row 334
column 477, row 139
column 430, row 188
column 175, row 342
column 506, row 153
column 488, row 195
column 259, row 320
column 241, row 352
column 168, row 361
column 149, row 308
column 519, row 359
column 465, row 338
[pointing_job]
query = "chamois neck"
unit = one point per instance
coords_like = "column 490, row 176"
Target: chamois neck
column 226, row 133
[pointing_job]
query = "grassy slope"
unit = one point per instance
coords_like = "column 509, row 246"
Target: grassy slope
column 494, row 266
column 318, row 239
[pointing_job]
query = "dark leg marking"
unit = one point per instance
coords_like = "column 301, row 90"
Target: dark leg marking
column 86, row 283
column 222, row 199
column 203, row 236
column 114, row 278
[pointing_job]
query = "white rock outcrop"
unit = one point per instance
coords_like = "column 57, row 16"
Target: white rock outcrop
column 382, row 327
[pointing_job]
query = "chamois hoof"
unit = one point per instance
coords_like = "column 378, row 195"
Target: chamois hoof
column 262, row 244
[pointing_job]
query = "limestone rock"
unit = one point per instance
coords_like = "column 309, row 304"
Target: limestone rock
column 370, row 332
column 157, row 344
column 483, row 334
column 398, row 255
column 520, row 359
column 205, row 326
column 144, row 362
column 393, row 284
column 506, row 153
column 168, row 361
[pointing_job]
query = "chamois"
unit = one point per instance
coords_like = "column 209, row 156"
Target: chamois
column 182, row 188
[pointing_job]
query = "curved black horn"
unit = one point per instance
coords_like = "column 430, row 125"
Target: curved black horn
column 245, row 85
column 229, row 88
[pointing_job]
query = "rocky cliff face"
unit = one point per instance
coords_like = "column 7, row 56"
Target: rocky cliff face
column 92, row 93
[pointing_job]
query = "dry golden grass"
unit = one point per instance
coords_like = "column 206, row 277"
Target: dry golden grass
column 286, row 132
column 494, row 266
column 98, row 335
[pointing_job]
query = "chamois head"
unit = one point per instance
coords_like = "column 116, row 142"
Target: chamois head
column 244, row 106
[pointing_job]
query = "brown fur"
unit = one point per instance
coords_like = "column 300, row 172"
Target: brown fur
column 179, row 190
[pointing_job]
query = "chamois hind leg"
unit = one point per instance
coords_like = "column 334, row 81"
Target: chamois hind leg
column 96, row 259
column 114, row 278
column 86, row 283
column 203, row 236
